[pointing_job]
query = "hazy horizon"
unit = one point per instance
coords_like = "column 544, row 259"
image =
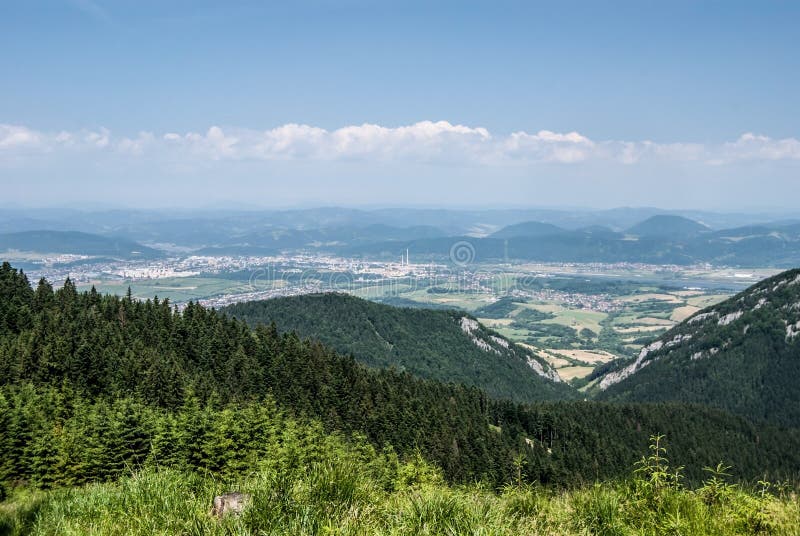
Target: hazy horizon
column 246, row 208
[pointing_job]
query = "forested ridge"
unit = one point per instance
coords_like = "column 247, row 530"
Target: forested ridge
column 426, row 343
column 92, row 385
column 741, row 355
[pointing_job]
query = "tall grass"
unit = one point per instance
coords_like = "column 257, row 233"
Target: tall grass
column 347, row 490
column 331, row 499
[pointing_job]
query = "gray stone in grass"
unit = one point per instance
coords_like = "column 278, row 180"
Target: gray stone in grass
column 229, row 503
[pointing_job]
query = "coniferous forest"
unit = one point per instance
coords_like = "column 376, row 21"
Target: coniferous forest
column 425, row 342
column 97, row 388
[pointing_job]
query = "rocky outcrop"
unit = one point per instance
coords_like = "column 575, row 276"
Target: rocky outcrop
column 233, row 503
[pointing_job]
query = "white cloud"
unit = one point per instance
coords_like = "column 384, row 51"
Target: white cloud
column 425, row 141
column 214, row 144
column 13, row 136
column 137, row 145
column 421, row 141
column 99, row 139
column 750, row 146
column 549, row 146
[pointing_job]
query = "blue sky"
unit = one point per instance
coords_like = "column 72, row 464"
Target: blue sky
column 691, row 104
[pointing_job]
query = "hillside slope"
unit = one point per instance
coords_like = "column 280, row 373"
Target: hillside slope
column 444, row 345
column 742, row 355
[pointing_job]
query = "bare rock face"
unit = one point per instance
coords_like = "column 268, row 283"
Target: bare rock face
column 229, row 503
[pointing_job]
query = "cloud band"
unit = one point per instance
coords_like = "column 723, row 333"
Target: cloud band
column 424, row 141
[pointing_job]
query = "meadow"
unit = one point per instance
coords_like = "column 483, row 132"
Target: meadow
column 346, row 493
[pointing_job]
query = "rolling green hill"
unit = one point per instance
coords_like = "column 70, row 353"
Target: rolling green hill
column 444, row 345
column 667, row 226
column 742, row 355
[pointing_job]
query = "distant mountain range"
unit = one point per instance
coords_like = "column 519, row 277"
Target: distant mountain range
column 657, row 240
column 73, row 242
column 445, row 345
column 742, row 355
column 661, row 225
column 275, row 240
column 163, row 223
column 620, row 235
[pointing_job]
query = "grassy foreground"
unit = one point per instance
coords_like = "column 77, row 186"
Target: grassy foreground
column 345, row 497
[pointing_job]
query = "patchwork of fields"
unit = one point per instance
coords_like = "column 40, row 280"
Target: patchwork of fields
column 575, row 341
